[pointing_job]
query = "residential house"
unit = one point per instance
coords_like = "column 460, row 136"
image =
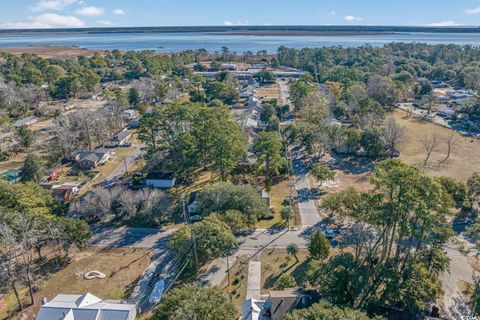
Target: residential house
column 277, row 305
column 253, row 309
column 121, row 139
column 284, row 301
column 162, row 180
column 129, row 114
column 91, row 160
column 437, row 84
column 25, row 122
column 63, row 192
column 228, row 66
column 253, row 102
column 289, row 74
column 85, row 307
column 134, row 124
column 446, row 112
column 258, row 65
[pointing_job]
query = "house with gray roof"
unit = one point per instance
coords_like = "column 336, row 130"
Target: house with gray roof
column 85, row 307
column 91, row 160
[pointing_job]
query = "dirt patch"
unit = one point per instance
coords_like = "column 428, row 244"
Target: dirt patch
column 465, row 158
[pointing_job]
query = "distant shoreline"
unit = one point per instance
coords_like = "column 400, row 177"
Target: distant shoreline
column 302, row 33
column 254, row 30
column 46, row 51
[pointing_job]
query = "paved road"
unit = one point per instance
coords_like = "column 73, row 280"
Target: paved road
column 284, row 92
column 252, row 245
column 125, row 165
column 306, row 196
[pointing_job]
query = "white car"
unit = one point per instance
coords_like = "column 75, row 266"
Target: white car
column 157, row 292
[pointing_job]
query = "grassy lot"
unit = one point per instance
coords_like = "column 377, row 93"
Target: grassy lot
column 11, row 305
column 275, row 262
column 203, row 179
column 465, row 158
column 278, row 194
column 238, row 282
column 268, row 92
column 122, row 267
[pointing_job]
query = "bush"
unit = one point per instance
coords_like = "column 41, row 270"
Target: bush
column 222, row 197
column 319, row 246
column 236, row 220
column 285, row 281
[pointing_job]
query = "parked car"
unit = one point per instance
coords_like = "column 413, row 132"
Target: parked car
column 330, row 233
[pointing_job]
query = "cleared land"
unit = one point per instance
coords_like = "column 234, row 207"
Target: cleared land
column 465, row 157
column 268, row 92
column 122, row 267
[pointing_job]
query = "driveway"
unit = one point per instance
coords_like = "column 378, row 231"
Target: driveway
column 461, row 271
column 124, row 165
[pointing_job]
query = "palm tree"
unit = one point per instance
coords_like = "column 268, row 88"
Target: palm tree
column 292, row 249
column 287, row 214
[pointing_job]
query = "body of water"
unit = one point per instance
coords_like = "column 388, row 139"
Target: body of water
column 174, row 42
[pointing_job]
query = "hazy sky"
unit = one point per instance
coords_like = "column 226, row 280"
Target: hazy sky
column 91, row 13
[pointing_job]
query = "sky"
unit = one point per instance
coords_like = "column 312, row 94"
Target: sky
column 130, row 13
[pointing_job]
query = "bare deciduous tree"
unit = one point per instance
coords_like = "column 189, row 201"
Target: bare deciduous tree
column 430, row 144
column 8, row 253
column 451, row 143
column 394, row 136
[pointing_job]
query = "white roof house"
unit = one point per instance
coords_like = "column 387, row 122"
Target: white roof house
column 85, row 307
column 252, row 309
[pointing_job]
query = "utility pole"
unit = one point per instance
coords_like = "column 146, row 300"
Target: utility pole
column 187, row 221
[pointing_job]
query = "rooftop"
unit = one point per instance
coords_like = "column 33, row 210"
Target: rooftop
column 84, row 307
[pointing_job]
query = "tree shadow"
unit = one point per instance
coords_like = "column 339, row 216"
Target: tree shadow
column 350, row 164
